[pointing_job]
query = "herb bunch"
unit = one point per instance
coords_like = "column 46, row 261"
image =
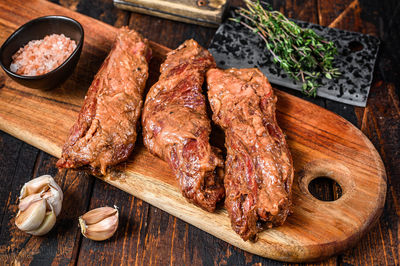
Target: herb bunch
column 301, row 53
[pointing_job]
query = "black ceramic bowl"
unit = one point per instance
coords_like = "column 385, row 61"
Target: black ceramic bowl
column 35, row 30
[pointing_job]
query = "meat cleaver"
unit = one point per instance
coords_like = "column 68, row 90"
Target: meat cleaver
column 234, row 45
column 208, row 13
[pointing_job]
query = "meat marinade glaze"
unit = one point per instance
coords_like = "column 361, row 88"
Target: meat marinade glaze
column 258, row 168
column 176, row 127
column 105, row 132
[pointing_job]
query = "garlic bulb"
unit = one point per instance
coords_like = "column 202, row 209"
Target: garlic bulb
column 47, row 188
column 40, row 203
column 99, row 224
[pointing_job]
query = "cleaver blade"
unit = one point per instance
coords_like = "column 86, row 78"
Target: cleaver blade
column 235, row 46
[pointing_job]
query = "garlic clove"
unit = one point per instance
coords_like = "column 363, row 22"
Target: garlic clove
column 99, row 224
column 31, row 218
column 27, row 201
column 47, row 224
column 96, row 215
column 102, row 230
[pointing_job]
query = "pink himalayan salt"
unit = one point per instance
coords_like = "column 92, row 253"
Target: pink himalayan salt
column 39, row 57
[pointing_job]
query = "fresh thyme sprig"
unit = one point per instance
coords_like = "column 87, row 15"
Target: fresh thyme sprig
column 301, row 53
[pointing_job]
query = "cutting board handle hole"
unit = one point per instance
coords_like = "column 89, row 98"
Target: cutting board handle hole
column 325, row 188
column 326, row 180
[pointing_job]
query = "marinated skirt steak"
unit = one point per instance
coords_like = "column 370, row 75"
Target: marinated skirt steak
column 176, row 127
column 258, row 168
column 105, row 132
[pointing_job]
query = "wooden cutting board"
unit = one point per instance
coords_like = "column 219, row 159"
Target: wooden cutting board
column 322, row 144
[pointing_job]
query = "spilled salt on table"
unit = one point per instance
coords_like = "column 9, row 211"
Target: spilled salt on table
column 39, row 57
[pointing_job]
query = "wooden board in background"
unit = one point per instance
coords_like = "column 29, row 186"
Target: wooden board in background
column 202, row 12
column 322, row 144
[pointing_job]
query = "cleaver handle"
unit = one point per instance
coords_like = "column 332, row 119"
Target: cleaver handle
column 208, row 13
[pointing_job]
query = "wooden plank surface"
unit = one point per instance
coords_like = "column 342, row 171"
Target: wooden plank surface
column 180, row 243
column 335, row 149
column 206, row 13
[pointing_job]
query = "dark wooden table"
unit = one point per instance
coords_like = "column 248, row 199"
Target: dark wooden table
column 147, row 235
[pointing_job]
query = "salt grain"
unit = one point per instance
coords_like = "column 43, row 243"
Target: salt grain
column 39, row 57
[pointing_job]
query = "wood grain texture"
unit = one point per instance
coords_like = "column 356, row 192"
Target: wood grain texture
column 379, row 121
column 334, row 148
column 206, row 13
column 61, row 244
column 199, row 248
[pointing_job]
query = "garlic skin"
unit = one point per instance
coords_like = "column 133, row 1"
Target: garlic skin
column 40, row 203
column 99, row 224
